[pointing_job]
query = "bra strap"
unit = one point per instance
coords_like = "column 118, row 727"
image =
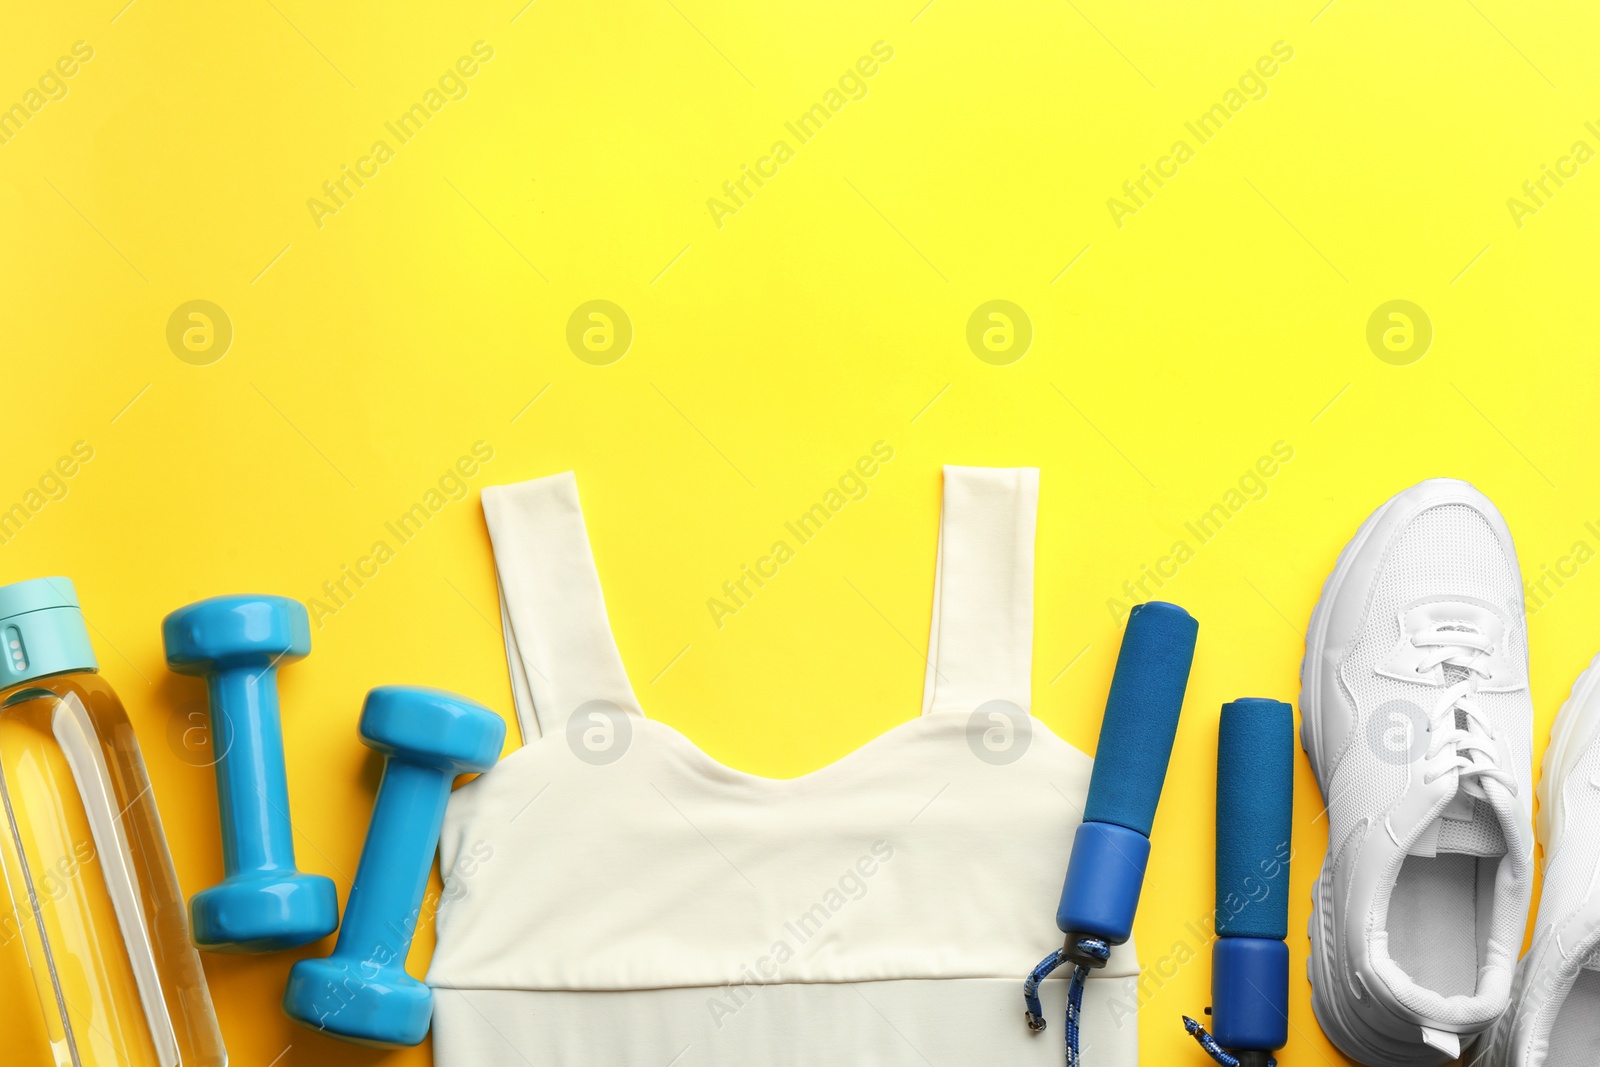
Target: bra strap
column 558, row 640
column 980, row 647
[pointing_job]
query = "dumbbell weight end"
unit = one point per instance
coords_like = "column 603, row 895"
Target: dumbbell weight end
column 362, row 992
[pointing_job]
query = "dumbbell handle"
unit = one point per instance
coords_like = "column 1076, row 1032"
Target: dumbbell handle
column 393, row 872
column 252, row 788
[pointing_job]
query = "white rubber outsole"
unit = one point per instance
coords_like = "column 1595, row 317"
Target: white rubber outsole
column 1570, row 736
column 1321, row 965
column 1576, row 725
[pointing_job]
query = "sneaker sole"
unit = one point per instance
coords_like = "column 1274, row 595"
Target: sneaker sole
column 1353, row 1037
column 1320, row 966
column 1572, row 734
column 1310, row 721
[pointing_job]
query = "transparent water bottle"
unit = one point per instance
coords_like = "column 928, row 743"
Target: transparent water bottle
column 91, row 900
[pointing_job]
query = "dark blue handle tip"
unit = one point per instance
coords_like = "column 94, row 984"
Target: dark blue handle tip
column 1250, row 994
column 1161, row 607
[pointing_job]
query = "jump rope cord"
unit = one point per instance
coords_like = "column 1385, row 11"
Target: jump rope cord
column 1088, row 946
column 1214, row 1050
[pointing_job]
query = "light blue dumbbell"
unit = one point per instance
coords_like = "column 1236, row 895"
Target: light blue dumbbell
column 362, row 993
column 237, row 643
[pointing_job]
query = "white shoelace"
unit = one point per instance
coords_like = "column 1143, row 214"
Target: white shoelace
column 1456, row 721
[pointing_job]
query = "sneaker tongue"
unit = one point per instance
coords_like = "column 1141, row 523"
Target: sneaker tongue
column 1468, row 826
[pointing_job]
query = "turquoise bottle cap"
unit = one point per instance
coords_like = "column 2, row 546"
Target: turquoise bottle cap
column 42, row 631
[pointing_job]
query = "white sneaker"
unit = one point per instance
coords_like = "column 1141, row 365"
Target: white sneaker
column 1554, row 1019
column 1415, row 713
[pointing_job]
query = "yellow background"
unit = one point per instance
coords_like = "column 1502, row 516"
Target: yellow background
column 827, row 314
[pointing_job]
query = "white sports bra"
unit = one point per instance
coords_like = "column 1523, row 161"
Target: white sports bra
column 615, row 896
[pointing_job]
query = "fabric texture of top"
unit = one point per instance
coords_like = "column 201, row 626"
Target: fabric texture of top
column 615, row 896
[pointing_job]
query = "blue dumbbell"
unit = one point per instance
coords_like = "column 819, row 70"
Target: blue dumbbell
column 263, row 903
column 362, row 993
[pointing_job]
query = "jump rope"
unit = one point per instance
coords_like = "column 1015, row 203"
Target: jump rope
column 1105, row 872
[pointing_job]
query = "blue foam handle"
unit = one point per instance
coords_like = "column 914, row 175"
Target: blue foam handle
column 1141, row 720
column 1255, row 798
